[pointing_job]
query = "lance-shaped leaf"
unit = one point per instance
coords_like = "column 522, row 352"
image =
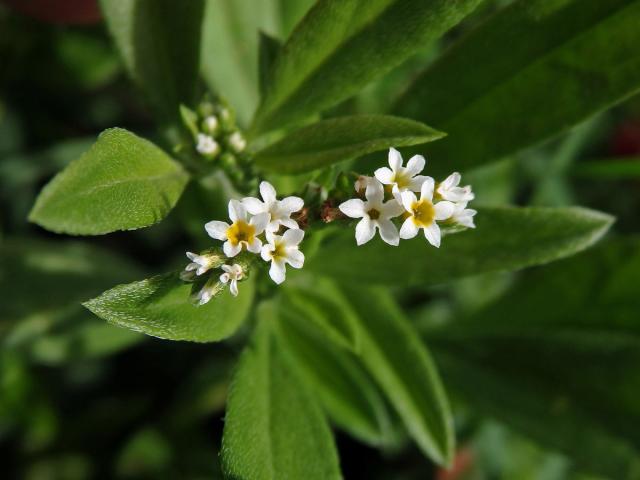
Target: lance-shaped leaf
column 160, row 306
column 159, row 41
column 398, row 360
column 609, row 169
column 530, row 72
column 274, row 428
column 345, row 390
column 338, row 139
column 122, row 183
column 554, row 358
column 506, row 238
column 341, row 45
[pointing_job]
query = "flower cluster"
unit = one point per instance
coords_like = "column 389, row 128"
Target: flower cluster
column 251, row 218
column 444, row 202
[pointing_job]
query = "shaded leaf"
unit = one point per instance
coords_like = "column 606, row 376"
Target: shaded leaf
column 609, row 169
column 268, row 49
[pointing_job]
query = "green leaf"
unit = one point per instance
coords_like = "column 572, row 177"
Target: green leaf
column 269, row 47
column 337, row 139
column 530, row 72
column 344, row 389
column 122, row 183
column 609, row 169
column 553, row 358
column 159, row 41
column 160, row 306
column 323, row 304
column 273, row 428
column 506, row 238
column 340, row 46
column 397, row 359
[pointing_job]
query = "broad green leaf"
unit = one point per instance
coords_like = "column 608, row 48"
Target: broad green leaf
column 268, row 49
column 506, row 238
column 160, row 306
column 159, row 41
column 554, row 358
column 229, row 52
column 530, row 72
column 122, row 183
column 609, row 169
column 273, row 427
column 344, row 389
column 344, row 138
column 341, row 45
column 398, row 360
column 324, row 304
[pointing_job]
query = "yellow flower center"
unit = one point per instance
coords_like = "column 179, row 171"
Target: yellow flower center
column 402, row 179
column 423, row 213
column 373, row 214
column 278, row 251
column 241, row 231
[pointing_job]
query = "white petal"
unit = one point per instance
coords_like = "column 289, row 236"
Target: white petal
column 267, row 192
column 408, row 199
column 353, row 208
column 408, row 229
column 384, row 175
column 192, row 266
column 388, row 232
column 236, row 211
column 231, row 250
column 265, row 252
column 432, row 234
column 365, row 230
column 426, row 191
column 287, row 222
column 415, row 185
column 291, row 204
column 253, row 205
column 395, row 159
column 295, row 258
column 255, row 246
column 227, row 269
column 233, row 288
column 374, row 193
column 273, row 226
column 443, row 210
column 391, row 209
column 217, row 230
column 277, row 271
column 260, row 222
column 415, row 165
column 202, row 269
column 225, row 277
column 192, row 256
column 451, row 181
column 293, row 237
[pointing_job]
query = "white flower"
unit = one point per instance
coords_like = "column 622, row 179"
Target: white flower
column 463, row 215
column 237, row 142
column 282, row 250
column 362, row 183
column 232, row 274
column 211, row 124
column 449, row 189
column 375, row 213
column 240, row 234
column 207, row 145
column 423, row 213
column 278, row 211
column 403, row 179
column 208, row 291
column 202, row 263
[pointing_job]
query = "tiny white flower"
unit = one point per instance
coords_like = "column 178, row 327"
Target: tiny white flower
column 201, row 263
column 282, row 250
column 207, row 145
column 211, row 124
column 232, row 274
column 463, row 215
column 237, row 142
column 423, row 213
column 362, row 183
column 449, row 189
column 240, row 234
column 402, row 178
column 208, row 291
column 278, row 211
column 375, row 213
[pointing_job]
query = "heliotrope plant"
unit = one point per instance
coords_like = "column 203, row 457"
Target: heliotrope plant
column 327, row 343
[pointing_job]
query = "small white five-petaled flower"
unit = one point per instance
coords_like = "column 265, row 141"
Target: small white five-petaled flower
column 281, row 250
column 449, row 189
column 423, row 213
column 463, row 216
column 278, row 211
column 201, row 263
column 375, row 213
column 207, row 145
column 402, row 178
column 232, row 274
column 240, row 234
column 208, row 291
